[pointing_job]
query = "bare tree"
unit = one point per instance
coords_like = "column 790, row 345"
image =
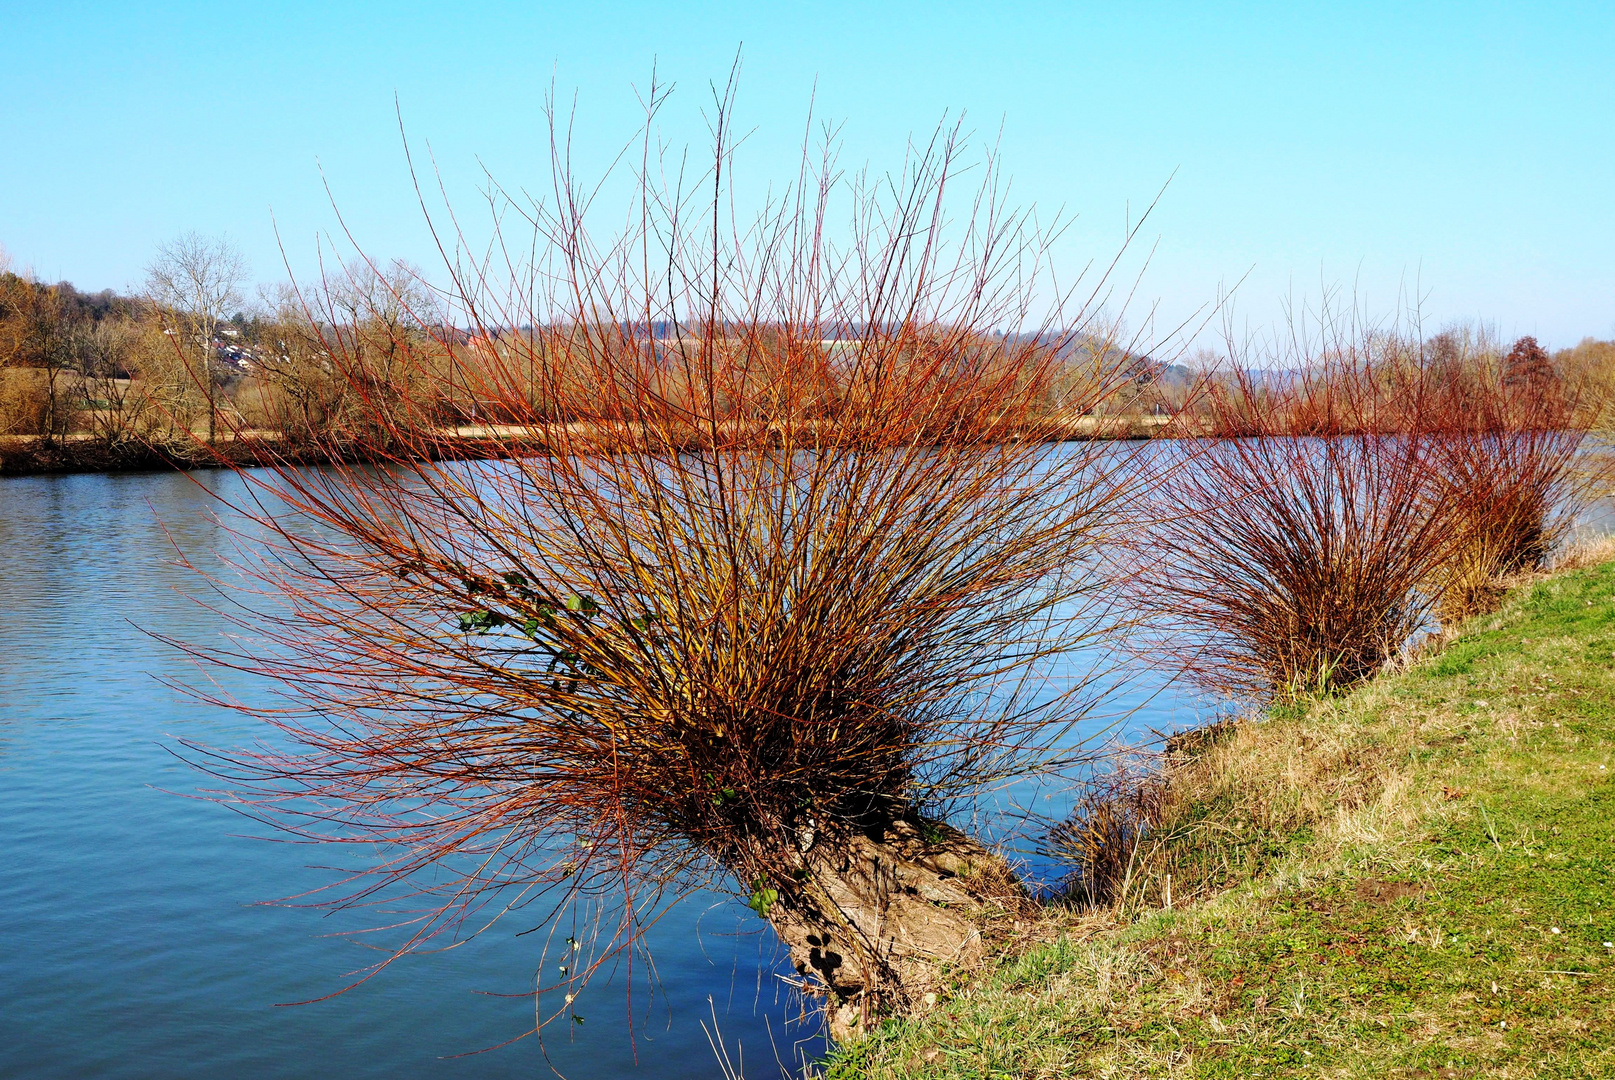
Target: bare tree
column 379, row 315
column 195, row 281
column 35, row 343
column 106, row 354
column 361, row 335
column 392, row 295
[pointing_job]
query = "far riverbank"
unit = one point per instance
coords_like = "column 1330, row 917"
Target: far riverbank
column 28, row 455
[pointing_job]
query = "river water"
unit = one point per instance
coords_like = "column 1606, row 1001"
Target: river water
column 135, row 941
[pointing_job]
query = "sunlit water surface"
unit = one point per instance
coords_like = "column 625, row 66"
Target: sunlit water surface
column 134, row 941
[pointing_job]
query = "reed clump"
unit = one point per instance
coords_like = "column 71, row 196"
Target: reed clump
column 1101, row 839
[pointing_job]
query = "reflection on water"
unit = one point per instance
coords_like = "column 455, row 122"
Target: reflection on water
column 134, row 944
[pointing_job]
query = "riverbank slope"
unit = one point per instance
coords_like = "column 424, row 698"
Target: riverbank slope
column 1414, row 880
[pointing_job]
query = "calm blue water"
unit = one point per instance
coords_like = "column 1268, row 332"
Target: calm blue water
column 135, row 942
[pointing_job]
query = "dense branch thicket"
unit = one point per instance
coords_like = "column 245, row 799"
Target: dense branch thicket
column 1508, row 464
column 1339, row 496
column 1293, row 548
column 784, row 586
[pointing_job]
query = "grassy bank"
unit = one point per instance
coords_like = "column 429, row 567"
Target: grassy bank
column 1413, row 880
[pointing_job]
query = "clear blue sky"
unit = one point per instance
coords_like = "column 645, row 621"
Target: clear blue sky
column 1469, row 146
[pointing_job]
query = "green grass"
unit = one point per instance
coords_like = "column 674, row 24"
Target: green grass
column 1418, row 843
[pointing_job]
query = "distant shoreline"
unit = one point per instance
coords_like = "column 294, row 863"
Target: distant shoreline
column 35, row 455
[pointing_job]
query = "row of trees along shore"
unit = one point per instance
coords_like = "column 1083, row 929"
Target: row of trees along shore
column 798, row 575
column 181, row 370
column 99, row 380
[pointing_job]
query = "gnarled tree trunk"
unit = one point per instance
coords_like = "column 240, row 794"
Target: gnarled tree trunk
column 878, row 914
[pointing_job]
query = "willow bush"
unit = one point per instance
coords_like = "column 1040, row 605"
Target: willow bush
column 769, row 574
column 1297, row 530
column 1507, row 464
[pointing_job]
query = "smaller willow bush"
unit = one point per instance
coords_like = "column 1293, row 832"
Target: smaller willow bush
column 1319, row 519
column 1507, row 463
column 1329, row 504
column 1292, row 544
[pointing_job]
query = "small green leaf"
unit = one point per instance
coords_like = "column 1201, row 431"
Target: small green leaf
column 763, row 898
column 583, row 605
column 480, row 621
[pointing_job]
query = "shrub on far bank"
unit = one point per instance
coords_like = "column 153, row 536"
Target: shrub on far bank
column 24, row 401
